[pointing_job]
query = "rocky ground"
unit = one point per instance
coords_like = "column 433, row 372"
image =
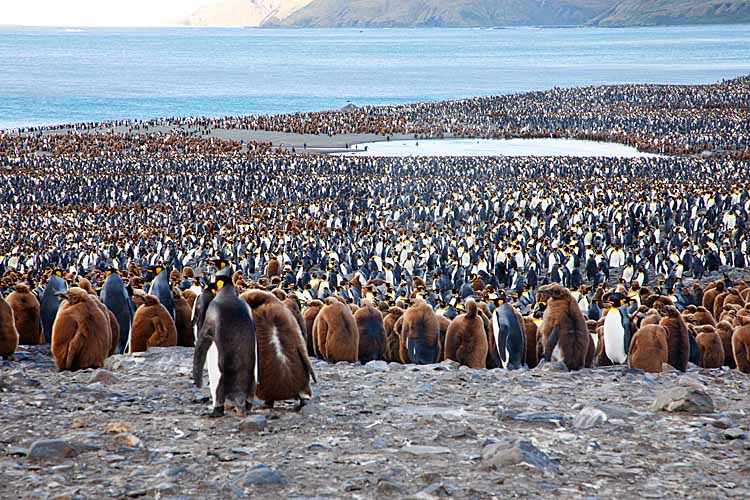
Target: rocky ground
column 136, row 430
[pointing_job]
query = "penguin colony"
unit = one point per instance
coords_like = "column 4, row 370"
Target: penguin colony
column 491, row 262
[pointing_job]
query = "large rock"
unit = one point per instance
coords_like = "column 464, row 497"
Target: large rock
column 683, row 400
column 57, row 449
column 509, row 452
column 260, row 475
column 426, row 450
column 589, row 417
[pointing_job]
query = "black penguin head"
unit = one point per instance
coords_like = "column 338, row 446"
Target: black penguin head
column 617, row 299
column 152, row 272
column 110, row 271
column 217, row 264
column 58, row 272
column 219, row 281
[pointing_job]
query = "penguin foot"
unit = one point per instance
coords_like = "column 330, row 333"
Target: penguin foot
column 218, row 411
column 302, row 403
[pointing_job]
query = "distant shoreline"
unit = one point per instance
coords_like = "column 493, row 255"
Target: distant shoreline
column 377, row 28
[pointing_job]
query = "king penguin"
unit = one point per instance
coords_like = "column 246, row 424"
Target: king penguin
column 115, row 296
column 160, row 287
column 229, row 327
column 508, row 330
column 617, row 331
column 50, row 302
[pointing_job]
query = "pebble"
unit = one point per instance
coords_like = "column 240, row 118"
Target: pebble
column 104, row 377
column 734, row 433
column 253, row 423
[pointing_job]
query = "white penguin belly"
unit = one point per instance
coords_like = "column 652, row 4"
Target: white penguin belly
column 614, row 337
column 214, row 374
column 595, row 339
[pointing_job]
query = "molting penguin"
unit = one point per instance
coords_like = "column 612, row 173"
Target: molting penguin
column 284, row 369
column 8, row 332
column 115, row 296
column 336, row 337
column 563, row 332
column 648, row 349
column 26, row 312
column 508, row 331
column 617, row 330
column 392, row 336
column 420, row 332
column 160, row 287
column 81, row 336
column 466, row 340
column 678, row 337
column 50, row 302
column 308, row 315
column 228, row 325
column 372, row 339
column 710, row 348
column 152, row 326
column 741, row 348
column 183, row 319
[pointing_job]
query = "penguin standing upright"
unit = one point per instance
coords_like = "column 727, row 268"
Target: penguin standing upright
column 617, row 330
column 161, row 288
column 509, row 334
column 228, row 325
column 115, row 296
column 50, row 302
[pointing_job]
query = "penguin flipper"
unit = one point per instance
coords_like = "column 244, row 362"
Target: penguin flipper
column 306, row 363
column 552, row 340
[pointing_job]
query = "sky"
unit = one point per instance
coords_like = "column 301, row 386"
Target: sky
column 96, row 12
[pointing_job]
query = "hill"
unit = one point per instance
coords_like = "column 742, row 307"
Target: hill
column 671, row 12
column 467, row 13
column 243, row 13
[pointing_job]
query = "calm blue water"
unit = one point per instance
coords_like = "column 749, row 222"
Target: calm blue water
column 52, row 75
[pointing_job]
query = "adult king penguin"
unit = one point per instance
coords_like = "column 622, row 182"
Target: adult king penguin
column 617, row 330
column 115, row 296
column 508, row 331
column 50, row 302
column 160, row 287
column 230, row 327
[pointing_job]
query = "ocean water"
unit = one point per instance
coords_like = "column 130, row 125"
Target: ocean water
column 57, row 75
column 497, row 147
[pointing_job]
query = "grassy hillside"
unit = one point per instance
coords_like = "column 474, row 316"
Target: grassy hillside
column 488, row 13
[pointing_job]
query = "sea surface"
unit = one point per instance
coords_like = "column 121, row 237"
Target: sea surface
column 497, row 147
column 59, row 75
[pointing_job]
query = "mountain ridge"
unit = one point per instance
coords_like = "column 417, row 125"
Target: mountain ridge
column 467, row 13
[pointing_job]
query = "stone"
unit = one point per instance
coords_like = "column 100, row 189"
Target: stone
column 545, row 417
column 734, row 433
column 104, row 377
column 57, row 449
column 253, row 423
column 128, row 440
column 683, row 400
column 377, row 367
column 419, row 450
column 260, row 475
column 388, row 488
column 513, row 451
column 118, row 427
column 589, row 417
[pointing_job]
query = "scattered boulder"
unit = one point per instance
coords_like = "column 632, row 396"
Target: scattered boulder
column 377, row 366
column 260, row 475
column 426, row 450
column 509, row 452
column 254, row 423
column 683, row 400
column 56, row 449
column 589, row 417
